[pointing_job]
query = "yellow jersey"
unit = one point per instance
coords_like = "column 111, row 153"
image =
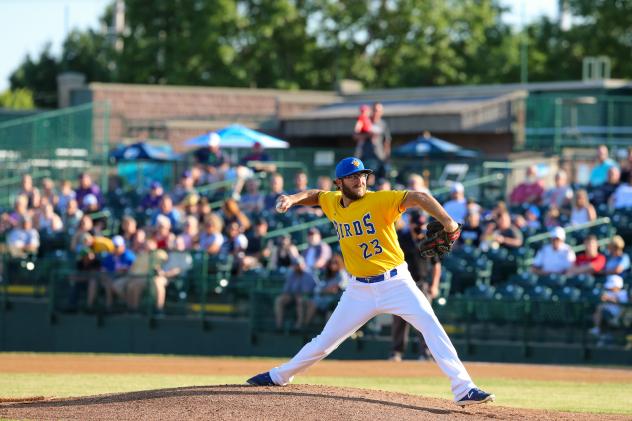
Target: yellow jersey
column 366, row 230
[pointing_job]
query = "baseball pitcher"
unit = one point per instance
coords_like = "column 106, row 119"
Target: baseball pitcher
column 380, row 280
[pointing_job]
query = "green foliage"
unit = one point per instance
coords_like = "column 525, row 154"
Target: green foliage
column 19, row 99
column 312, row 44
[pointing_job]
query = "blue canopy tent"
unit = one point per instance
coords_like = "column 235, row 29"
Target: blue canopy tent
column 141, row 163
column 432, row 147
column 142, row 151
column 238, row 136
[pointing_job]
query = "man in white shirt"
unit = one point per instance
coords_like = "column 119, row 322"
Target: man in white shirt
column 556, row 257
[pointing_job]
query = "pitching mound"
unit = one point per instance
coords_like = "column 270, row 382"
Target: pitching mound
column 296, row 402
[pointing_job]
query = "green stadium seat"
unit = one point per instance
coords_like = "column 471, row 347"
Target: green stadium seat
column 524, row 279
column 479, row 291
column 509, row 292
column 538, row 293
column 581, row 281
column 567, row 294
column 552, row 280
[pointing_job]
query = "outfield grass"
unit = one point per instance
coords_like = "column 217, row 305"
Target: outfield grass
column 560, row 396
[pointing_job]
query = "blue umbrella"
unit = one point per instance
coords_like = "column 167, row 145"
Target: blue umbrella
column 429, row 146
column 142, row 151
column 238, row 136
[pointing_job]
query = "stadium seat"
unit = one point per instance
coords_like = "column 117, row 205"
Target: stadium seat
column 509, row 291
column 581, row 281
column 567, row 294
column 524, row 279
column 552, row 280
column 538, row 293
column 480, row 290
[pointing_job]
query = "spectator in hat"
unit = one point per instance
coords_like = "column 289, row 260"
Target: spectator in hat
column 599, row 173
column 617, row 261
column 610, row 309
column 590, row 261
column 456, row 207
column 87, row 187
column 532, row 218
column 152, row 199
column 317, row 253
column 555, row 257
column 214, row 162
column 298, row 283
column 529, row 191
column 116, row 266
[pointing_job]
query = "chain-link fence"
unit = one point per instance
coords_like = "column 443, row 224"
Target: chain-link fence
column 57, row 144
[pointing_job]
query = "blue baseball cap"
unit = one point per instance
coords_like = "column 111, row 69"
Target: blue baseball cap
column 349, row 166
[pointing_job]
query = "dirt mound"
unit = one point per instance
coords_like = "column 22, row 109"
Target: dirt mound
column 296, row 402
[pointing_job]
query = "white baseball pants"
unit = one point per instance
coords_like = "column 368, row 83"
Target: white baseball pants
column 359, row 303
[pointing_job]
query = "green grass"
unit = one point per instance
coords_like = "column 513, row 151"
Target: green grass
column 559, row 396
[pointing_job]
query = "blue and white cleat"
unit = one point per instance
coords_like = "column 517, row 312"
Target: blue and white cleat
column 262, row 379
column 475, row 396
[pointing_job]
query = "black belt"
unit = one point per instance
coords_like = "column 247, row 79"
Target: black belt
column 376, row 278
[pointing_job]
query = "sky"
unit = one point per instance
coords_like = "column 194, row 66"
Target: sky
column 27, row 25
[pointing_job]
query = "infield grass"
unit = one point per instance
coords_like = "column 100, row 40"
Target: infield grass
column 551, row 395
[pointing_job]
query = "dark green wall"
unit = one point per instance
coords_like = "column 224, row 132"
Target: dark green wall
column 27, row 327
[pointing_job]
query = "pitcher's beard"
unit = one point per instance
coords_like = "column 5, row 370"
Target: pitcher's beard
column 352, row 195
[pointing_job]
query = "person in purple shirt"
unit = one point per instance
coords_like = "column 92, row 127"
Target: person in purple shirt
column 152, row 199
column 86, row 187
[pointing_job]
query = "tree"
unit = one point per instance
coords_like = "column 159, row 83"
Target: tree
column 19, row 99
column 40, row 77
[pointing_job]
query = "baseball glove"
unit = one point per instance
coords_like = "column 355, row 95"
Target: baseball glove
column 438, row 242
